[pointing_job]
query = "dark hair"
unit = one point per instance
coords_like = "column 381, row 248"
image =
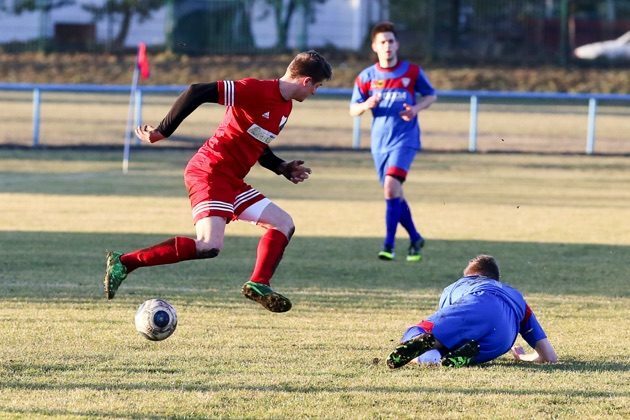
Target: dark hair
column 483, row 265
column 382, row 27
column 312, row 64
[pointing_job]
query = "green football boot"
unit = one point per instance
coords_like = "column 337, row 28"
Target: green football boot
column 409, row 350
column 263, row 294
column 415, row 248
column 387, row 254
column 115, row 273
column 461, row 356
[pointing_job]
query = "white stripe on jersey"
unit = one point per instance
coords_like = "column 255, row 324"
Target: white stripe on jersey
column 228, row 87
column 244, row 196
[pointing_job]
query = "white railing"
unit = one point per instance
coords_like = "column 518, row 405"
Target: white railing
column 474, row 97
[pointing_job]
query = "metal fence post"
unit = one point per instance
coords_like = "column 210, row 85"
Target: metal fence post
column 356, row 132
column 36, row 112
column 590, row 136
column 472, row 136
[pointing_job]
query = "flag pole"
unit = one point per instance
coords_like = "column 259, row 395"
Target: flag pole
column 130, row 112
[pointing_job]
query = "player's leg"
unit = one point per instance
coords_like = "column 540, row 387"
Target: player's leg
column 416, row 341
column 118, row 265
column 210, row 232
column 392, row 205
column 392, row 190
column 210, row 208
column 400, row 162
column 279, row 228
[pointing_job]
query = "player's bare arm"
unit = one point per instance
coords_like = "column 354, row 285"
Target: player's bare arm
column 543, row 353
column 360, row 108
column 186, row 103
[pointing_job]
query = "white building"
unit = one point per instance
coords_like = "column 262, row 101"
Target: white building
column 340, row 23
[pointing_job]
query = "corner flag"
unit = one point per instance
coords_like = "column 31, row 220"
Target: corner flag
column 141, row 69
column 143, row 61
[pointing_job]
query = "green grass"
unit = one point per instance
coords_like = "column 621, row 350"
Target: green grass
column 557, row 224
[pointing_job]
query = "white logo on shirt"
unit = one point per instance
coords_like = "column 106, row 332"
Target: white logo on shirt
column 261, row 134
column 266, row 115
column 405, row 81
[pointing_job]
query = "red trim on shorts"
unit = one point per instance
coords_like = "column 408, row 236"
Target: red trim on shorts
column 396, row 172
column 427, row 326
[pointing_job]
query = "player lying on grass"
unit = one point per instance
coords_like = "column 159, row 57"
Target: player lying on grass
column 257, row 110
column 477, row 320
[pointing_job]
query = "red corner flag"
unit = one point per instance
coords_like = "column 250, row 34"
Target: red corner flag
column 143, row 60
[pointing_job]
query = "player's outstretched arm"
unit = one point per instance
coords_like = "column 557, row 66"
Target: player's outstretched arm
column 543, row 353
column 360, row 107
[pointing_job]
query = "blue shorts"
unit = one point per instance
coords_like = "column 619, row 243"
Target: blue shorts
column 482, row 317
column 395, row 162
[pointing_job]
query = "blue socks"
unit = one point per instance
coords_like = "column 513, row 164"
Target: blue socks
column 407, row 221
column 392, row 217
column 397, row 211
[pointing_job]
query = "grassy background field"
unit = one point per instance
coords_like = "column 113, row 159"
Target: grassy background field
column 557, row 224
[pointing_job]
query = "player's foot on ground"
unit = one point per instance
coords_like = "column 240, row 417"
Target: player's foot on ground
column 461, row 356
column 265, row 295
column 409, row 350
column 115, row 273
column 415, row 251
column 387, row 254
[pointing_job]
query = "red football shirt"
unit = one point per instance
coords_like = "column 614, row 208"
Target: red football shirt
column 256, row 112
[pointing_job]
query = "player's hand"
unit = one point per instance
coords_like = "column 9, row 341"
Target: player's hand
column 372, row 101
column 408, row 113
column 148, row 133
column 294, row 171
column 517, row 351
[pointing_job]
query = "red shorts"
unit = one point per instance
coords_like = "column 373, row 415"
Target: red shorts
column 215, row 191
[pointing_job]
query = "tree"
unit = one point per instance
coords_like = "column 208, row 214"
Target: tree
column 283, row 11
column 126, row 9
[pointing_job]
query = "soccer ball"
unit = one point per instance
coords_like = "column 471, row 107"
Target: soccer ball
column 156, row 319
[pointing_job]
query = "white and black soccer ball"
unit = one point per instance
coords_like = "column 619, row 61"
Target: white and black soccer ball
column 156, row 319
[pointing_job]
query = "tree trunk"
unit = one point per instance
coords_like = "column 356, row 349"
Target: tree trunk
column 119, row 41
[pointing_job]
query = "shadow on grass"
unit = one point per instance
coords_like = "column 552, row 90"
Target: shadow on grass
column 306, row 389
column 324, row 270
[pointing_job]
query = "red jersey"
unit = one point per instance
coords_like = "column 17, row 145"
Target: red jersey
column 256, row 112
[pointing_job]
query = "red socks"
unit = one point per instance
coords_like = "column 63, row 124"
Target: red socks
column 168, row 252
column 270, row 249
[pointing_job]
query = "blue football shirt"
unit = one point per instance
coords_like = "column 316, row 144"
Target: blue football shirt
column 397, row 85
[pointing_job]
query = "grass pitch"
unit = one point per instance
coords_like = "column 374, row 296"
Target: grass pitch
column 557, row 224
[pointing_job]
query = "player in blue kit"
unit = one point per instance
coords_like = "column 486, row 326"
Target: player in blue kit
column 389, row 89
column 478, row 320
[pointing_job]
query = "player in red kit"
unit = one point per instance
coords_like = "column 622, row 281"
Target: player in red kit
column 257, row 110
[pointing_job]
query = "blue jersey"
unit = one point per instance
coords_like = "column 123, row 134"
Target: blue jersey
column 527, row 326
column 397, row 85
